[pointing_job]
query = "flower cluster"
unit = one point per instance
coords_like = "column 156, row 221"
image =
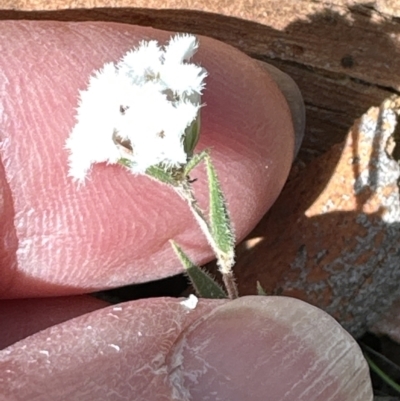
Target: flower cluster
column 140, row 109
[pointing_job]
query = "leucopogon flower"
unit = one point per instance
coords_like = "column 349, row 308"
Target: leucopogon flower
column 139, row 110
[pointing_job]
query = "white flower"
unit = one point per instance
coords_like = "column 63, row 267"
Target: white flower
column 138, row 109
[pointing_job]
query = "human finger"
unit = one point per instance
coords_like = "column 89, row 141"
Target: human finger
column 160, row 349
column 60, row 239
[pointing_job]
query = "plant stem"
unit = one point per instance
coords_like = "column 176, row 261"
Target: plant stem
column 230, row 285
column 186, row 192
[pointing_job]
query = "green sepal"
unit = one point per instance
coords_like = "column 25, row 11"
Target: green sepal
column 260, row 290
column 157, row 172
column 202, row 282
column 160, row 174
column 194, row 161
column 125, row 162
column 192, row 134
column 220, row 223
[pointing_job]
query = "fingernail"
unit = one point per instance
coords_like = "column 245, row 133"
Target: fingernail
column 293, row 96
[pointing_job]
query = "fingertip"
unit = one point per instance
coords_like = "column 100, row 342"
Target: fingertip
column 268, row 348
column 294, row 99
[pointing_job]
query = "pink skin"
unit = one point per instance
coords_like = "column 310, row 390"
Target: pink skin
column 23, row 317
column 61, row 240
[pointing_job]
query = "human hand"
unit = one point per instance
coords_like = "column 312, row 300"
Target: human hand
column 115, row 230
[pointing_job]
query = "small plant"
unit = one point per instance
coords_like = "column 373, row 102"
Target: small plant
column 144, row 114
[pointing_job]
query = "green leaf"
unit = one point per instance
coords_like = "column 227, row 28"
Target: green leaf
column 194, row 161
column 220, row 223
column 386, row 378
column 202, row 282
column 160, row 174
column 192, row 134
column 260, row 290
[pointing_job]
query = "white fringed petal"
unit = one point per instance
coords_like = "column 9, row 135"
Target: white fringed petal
column 191, row 78
column 142, row 63
column 180, row 48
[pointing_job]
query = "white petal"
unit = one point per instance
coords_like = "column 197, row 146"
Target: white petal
column 183, row 78
column 142, row 63
column 184, row 114
column 145, row 115
column 155, row 128
column 91, row 139
column 180, row 48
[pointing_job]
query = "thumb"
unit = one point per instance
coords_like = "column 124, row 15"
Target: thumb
column 275, row 348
